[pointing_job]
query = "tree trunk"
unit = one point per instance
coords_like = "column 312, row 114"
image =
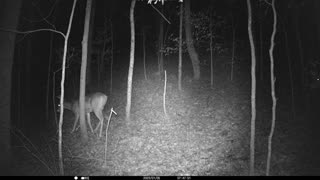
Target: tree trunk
column 83, row 127
column 144, row 53
column 261, row 40
column 253, row 89
column 211, row 51
column 130, row 73
column 90, row 39
column 192, row 52
column 233, row 48
column 103, row 54
column 316, row 19
column 273, row 93
column 111, row 64
column 161, row 44
column 180, row 48
column 9, row 18
column 63, row 72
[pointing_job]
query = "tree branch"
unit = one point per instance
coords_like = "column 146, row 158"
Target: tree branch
column 32, row 31
column 160, row 14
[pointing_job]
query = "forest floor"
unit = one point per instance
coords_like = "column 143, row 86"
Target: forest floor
column 206, row 133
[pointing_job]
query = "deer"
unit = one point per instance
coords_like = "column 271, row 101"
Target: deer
column 94, row 102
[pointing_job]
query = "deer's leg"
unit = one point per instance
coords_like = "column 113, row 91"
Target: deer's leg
column 76, row 115
column 99, row 115
column 89, row 121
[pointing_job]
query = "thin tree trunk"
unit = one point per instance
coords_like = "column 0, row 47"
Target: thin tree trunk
column 144, row 53
column 253, row 90
column 83, row 127
column 192, row 51
column 90, row 39
column 19, row 96
column 180, row 48
column 19, row 103
column 54, row 99
column 261, row 40
column 9, row 19
column 62, row 88
column 130, row 73
column 273, row 93
column 161, row 44
column 164, row 94
column 99, row 70
column 211, row 51
column 27, row 85
column 111, row 65
column 233, row 48
column 103, row 51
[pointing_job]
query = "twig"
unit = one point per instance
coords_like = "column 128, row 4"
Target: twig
column 161, row 14
column 32, row 31
column 46, row 17
column 106, row 144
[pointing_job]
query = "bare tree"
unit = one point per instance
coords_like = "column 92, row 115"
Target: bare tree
column 66, row 38
column 233, row 46
column 180, row 47
column 83, row 127
column 132, row 47
column 192, row 52
column 90, row 39
column 261, row 40
column 253, row 89
column 211, row 50
column 144, row 52
column 111, row 63
column 161, row 39
column 273, row 81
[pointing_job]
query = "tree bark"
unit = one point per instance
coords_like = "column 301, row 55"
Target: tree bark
column 261, row 40
column 233, row 47
column 161, row 44
column 83, row 127
column 253, row 90
column 9, row 18
column 130, row 73
column 180, row 48
column 63, row 72
column 90, row 39
column 144, row 52
column 191, row 50
column 111, row 63
column 273, row 91
column 211, row 51
column 316, row 19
